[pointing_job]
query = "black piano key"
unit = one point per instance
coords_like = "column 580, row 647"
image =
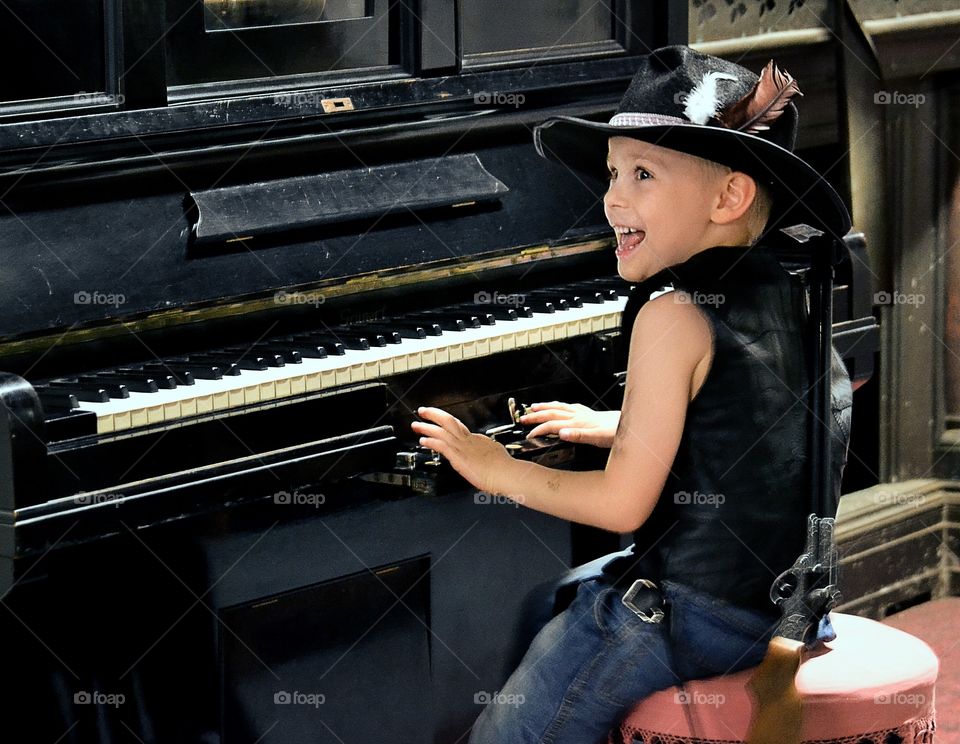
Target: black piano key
column 290, row 356
column 343, row 342
column 303, row 348
column 619, row 286
column 585, row 294
column 607, row 294
column 133, row 382
column 557, row 297
column 83, row 391
column 349, row 335
column 332, row 346
column 447, row 323
column 541, row 305
column 243, row 359
column 165, row 380
column 270, row 358
column 390, row 335
column 205, row 369
column 411, row 330
column 415, row 326
column 113, row 389
column 500, row 312
column 483, row 317
column 182, row 374
column 57, row 400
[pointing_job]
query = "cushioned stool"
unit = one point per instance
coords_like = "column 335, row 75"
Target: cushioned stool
column 873, row 683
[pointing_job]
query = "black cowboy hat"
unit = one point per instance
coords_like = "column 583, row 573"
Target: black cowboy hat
column 717, row 110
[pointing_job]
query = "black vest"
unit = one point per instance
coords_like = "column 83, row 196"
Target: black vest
column 732, row 513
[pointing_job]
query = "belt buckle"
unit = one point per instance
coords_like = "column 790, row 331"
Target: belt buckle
column 656, row 613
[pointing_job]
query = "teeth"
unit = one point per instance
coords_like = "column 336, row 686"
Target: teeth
column 624, row 230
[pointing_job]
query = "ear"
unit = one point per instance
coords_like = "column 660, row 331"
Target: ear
column 737, row 192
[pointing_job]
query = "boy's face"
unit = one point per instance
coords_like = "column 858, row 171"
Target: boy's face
column 667, row 196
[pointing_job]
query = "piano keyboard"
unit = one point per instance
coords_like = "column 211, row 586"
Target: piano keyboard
column 175, row 389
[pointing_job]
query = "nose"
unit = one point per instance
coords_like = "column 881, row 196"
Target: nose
column 613, row 199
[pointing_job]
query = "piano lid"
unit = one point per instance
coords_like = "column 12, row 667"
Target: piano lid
column 223, row 155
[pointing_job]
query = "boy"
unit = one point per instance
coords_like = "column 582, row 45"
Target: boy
column 708, row 463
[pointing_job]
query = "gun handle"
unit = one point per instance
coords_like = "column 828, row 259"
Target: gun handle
column 777, row 714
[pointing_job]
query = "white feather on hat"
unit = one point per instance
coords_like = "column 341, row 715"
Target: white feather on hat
column 701, row 103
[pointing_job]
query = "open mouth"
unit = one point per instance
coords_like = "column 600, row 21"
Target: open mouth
column 628, row 238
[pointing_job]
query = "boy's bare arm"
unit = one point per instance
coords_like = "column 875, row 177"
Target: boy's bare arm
column 669, row 340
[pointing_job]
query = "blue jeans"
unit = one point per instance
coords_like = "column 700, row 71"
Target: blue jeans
column 588, row 666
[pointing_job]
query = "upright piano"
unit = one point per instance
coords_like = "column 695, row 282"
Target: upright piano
column 242, row 240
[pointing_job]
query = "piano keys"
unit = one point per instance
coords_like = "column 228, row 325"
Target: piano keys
column 118, row 406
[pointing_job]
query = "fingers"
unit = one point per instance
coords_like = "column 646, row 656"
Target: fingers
column 539, row 431
column 545, row 415
column 427, row 430
column 433, row 437
column 548, row 427
column 561, row 428
column 548, row 412
column 552, row 404
column 437, row 445
column 443, row 434
column 443, row 419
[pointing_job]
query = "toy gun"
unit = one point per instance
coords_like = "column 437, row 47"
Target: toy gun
column 807, row 591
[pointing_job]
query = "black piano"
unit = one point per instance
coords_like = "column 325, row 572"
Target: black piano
column 241, row 243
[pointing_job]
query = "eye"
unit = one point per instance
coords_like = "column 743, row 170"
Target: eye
column 611, row 173
column 642, row 173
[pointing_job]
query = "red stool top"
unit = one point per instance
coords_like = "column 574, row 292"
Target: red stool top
column 873, row 683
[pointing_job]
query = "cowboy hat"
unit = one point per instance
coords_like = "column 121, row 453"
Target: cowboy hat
column 717, row 110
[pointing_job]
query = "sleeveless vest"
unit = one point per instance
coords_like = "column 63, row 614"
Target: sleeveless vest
column 732, row 513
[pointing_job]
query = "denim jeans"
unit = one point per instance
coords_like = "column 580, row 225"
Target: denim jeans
column 588, row 666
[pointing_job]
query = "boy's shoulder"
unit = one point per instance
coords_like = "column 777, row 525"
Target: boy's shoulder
column 675, row 305
column 673, row 320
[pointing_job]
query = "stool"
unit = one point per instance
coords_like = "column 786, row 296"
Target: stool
column 872, row 684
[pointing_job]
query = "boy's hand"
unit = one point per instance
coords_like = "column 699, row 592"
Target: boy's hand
column 573, row 423
column 486, row 464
